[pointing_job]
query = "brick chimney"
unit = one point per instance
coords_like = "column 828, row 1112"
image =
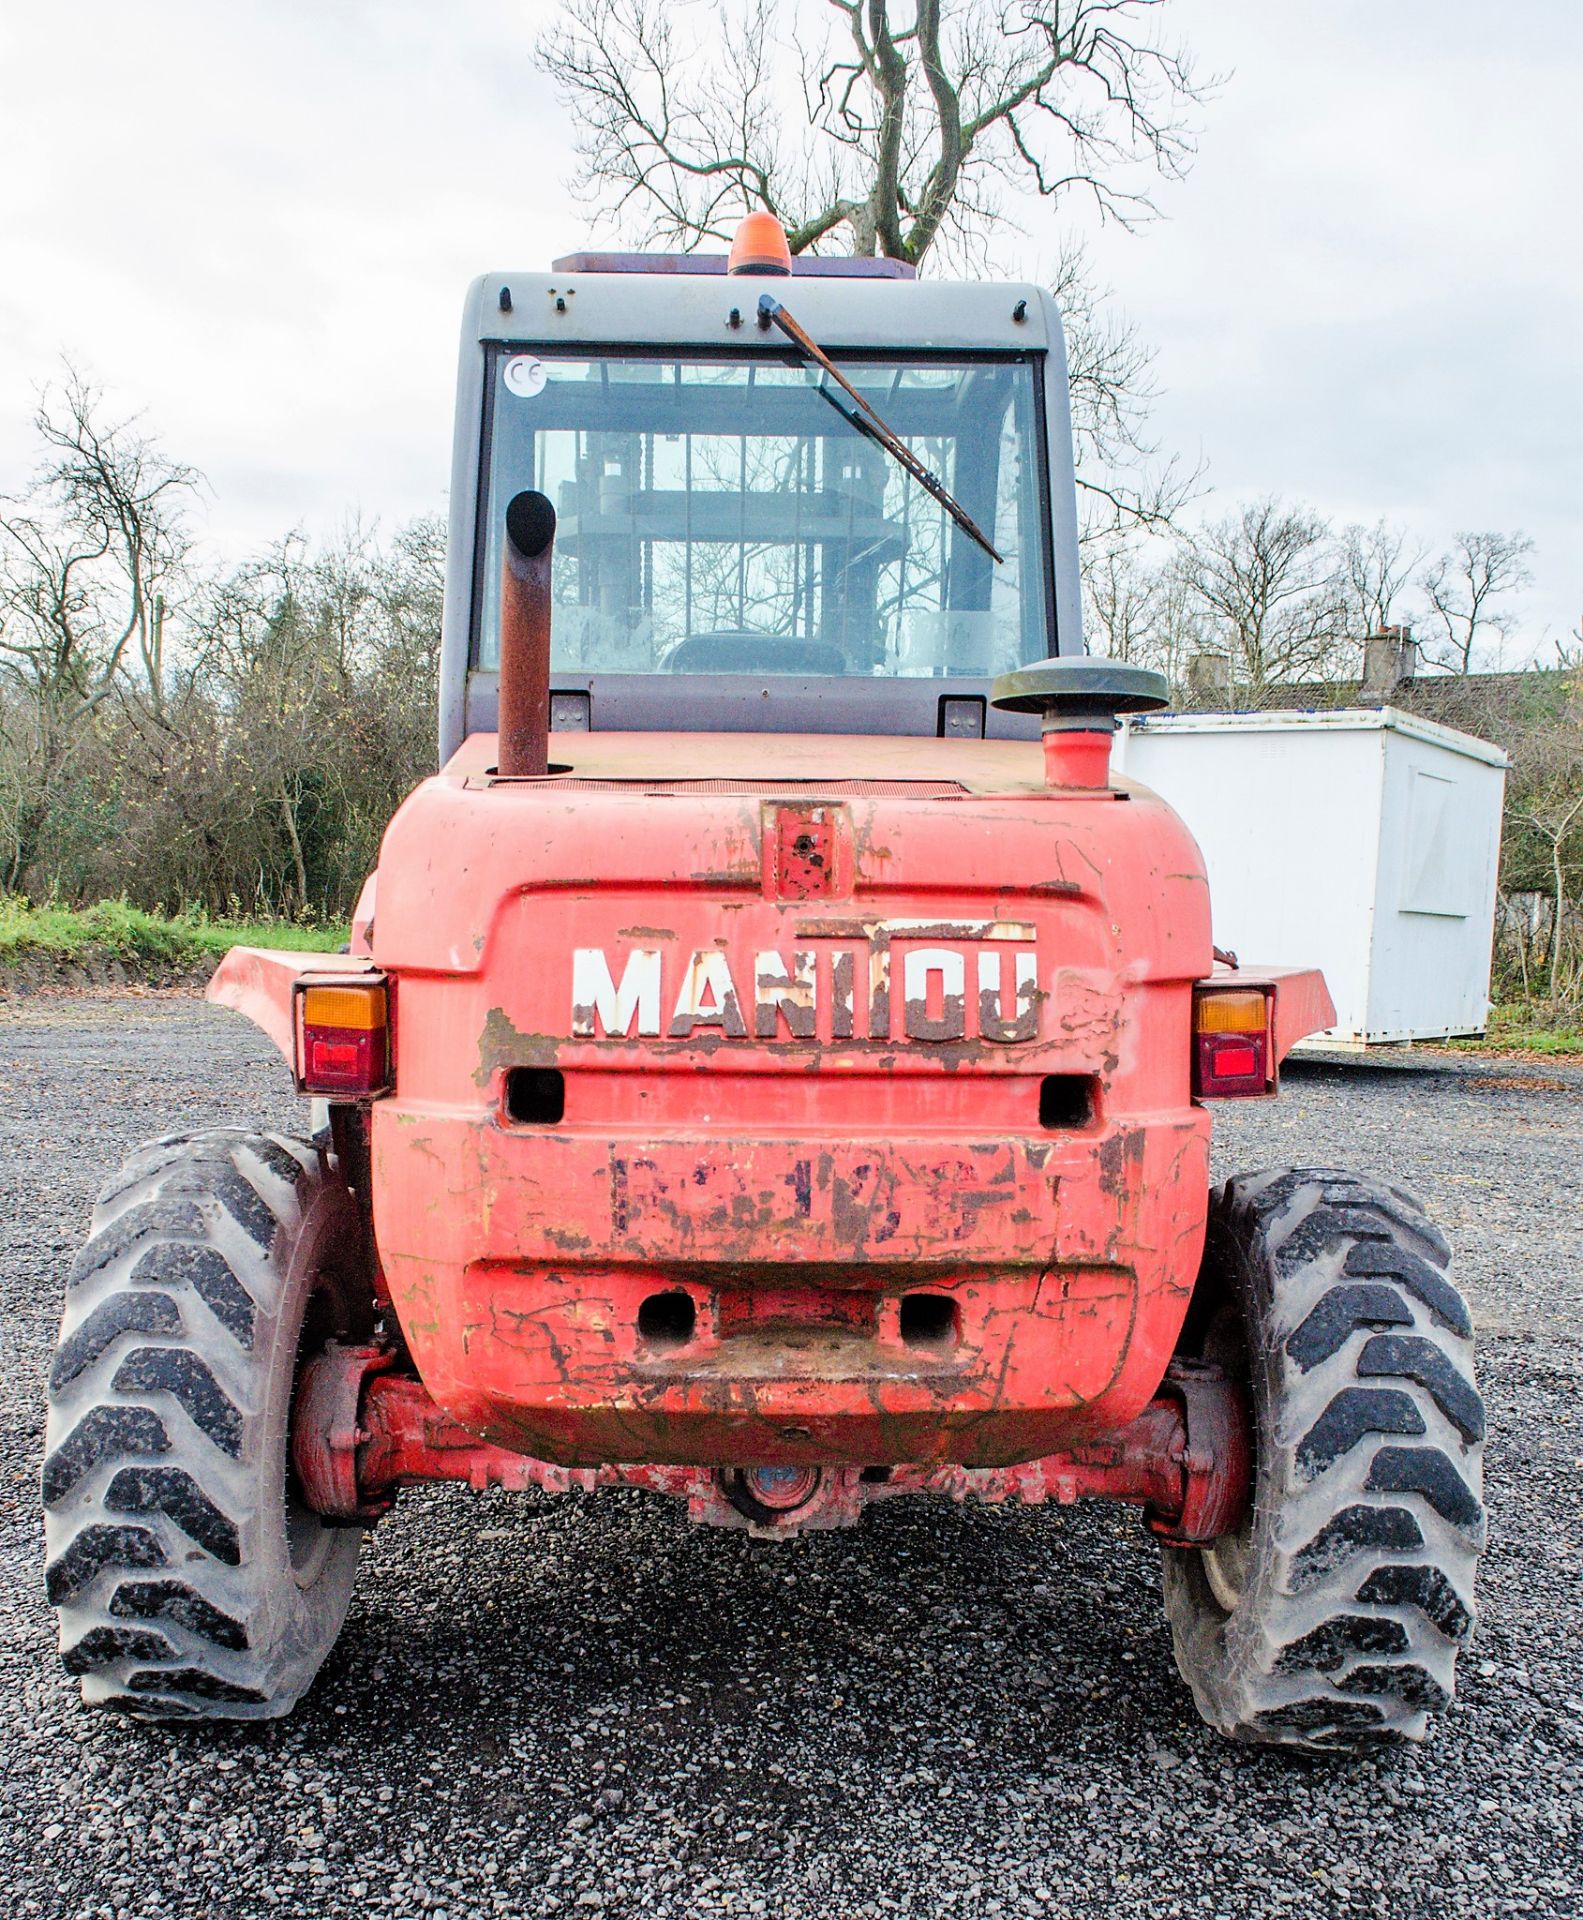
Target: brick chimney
column 1209, row 679
column 1388, row 660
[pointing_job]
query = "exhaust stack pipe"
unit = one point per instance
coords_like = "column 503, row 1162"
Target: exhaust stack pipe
column 525, row 637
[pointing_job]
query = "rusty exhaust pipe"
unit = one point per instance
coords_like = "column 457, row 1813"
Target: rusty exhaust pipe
column 525, row 637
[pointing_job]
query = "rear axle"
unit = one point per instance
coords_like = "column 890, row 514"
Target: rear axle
column 361, row 1430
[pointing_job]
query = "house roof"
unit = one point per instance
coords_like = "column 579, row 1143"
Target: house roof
column 1498, row 707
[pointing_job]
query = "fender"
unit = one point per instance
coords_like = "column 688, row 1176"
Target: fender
column 263, row 983
column 1302, row 1000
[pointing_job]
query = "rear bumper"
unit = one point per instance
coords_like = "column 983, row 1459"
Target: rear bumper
column 520, row 1262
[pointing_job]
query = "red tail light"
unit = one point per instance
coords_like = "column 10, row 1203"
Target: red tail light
column 1231, row 1043
column 343, row 1038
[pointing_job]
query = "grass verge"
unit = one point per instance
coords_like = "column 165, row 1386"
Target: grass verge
column 1519, row 1029
column 112, row 929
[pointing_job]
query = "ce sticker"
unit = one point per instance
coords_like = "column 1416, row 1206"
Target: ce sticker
column 525, row 377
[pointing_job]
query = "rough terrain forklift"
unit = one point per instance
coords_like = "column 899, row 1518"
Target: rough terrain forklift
column 770, row 1064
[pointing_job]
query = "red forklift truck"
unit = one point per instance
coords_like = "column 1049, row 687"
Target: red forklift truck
column 772, row 1062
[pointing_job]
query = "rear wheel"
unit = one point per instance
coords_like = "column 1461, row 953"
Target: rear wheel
column 189, row 1579
column 1332, row 1618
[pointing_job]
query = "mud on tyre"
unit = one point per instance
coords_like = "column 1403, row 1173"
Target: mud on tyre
column 1332, row 1619
column 188, row 1578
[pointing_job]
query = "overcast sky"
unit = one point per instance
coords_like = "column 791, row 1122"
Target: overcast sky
column 254, row 219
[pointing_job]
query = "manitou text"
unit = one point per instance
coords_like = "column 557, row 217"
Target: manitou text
column 957, row 980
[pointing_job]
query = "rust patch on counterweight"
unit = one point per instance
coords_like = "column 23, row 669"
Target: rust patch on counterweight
column 502, row 1045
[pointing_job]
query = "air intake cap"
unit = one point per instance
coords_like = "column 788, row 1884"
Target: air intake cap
column 1079, row 699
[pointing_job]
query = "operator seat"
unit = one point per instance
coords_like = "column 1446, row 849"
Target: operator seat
column 742, row 650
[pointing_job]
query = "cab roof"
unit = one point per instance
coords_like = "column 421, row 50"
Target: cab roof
column 803, row 265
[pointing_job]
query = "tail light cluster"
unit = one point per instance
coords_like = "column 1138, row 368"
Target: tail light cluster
column 1232, row 1055
column 343, row 1038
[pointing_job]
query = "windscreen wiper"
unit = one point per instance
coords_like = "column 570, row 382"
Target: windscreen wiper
column 867, row 421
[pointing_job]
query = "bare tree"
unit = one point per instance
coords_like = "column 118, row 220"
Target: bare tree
column 1266, row 588
column 84, row 556
column 1376, row 566
column 1122, row 484
column 1140, row 612
column 907, row 128
column 301, row 717
column 1544, row 849
column 914, row 116
column 1463, row 588
column 1121, row 598
column 1556, row 815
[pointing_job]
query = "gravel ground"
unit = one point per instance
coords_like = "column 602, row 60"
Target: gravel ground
column 569, row 1707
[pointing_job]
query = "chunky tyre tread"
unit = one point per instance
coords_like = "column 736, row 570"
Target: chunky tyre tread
column 1410, row 1357
column 173, row 1491
column 125, row 1313
column 1338, row 1316
column 93, row 1550
column 1411, row 1685
column 1317, row 1722
column 1331, row 1645
column 1426, row 1588
column 213, row 1177
column 168, row 1547
column 149, row 1599
column 1418, row 1278
column 165, row 1218
column 101, row 1645
column 197, row 1682
column 1355, row 1414
column 1356, row 1575
column 103, row 1433
column 1435, row 1475
column 1354, row 1530
column 206, row 1272
column 189, row 1380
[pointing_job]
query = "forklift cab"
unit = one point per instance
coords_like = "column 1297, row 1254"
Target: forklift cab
column 736, row 548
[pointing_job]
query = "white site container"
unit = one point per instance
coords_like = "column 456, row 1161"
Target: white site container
column 1364, row 843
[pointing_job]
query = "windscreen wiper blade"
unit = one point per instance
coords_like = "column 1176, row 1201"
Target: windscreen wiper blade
column 866, row 420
